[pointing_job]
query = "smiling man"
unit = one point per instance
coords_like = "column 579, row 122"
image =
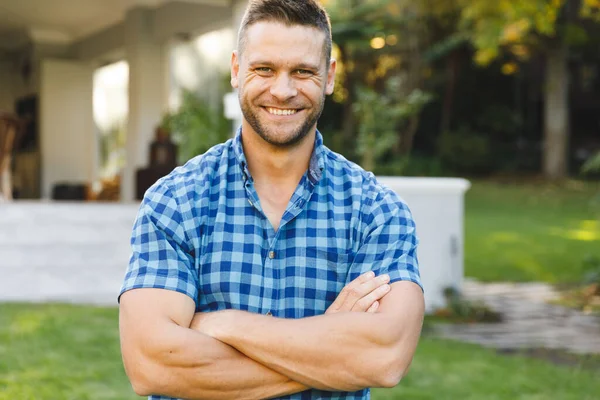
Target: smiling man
column 271, row 267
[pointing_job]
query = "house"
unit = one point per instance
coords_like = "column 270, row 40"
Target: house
column 49, row 51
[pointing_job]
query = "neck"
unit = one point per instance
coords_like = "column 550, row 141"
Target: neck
column 271, row 164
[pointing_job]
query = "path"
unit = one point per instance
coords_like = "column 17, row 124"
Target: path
column 529, row 320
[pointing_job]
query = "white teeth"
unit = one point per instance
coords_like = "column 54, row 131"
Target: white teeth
column 278, row 111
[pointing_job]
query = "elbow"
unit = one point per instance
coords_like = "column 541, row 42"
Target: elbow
column 143, row 376
column 141, row 388
column 140, row 381
column 390, row 378
column 149, row 381
column 390, row 373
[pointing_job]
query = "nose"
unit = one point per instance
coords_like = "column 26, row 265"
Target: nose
column 284, row 87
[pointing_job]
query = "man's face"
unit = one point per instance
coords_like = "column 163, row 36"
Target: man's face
column 282, row 77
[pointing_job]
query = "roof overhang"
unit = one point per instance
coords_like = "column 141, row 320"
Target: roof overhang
column 75, row 22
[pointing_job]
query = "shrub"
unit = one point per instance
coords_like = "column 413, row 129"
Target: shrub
column 465, row 151
column 196, row 126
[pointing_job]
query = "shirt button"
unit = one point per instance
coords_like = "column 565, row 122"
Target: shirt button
column 271, row 255
column 250, row 201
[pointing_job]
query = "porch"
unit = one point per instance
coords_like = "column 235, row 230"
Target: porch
column 49, row 54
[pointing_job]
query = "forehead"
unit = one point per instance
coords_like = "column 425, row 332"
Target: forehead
column 279, row 43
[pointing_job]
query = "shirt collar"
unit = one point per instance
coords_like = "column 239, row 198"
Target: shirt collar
column 315, row 168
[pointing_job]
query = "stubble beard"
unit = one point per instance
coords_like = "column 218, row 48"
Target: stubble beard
column 266, row 133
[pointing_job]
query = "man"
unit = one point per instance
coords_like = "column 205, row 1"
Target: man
column 271, row 267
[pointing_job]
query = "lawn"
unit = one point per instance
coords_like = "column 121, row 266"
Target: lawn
column 532, row 232
column 53, row 351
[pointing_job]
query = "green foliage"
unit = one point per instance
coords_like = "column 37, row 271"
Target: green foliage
column 445, row 47
column 499, row 120
column 522, row 27
column 591, row 266
column 592, row 165
column 462, row 310
column 112, row 149
column 575, row 35
column 415, row 165
column 380, row 117
column 196, row 126
column 465, row 151
column 377, row 41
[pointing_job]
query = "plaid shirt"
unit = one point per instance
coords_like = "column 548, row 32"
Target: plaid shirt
column 201, row 231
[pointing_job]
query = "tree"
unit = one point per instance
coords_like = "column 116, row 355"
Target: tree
column 519, row 29
column 378, row 41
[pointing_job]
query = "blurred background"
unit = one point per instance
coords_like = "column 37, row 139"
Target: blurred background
column 498, row 100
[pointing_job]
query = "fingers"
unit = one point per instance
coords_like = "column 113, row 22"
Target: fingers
column 361, row 293
column 373, row 307
column 370, row 299
column 340, row 302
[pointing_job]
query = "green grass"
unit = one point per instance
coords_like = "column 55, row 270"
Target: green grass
column 444, row 369
column 60, row 352
column 533, row 232
column 50, row 352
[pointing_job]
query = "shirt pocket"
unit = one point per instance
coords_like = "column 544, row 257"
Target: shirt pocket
column 329, row 268
column 328, row 259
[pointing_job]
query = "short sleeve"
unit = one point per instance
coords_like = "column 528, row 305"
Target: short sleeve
column 160, row 256
column 389, row 244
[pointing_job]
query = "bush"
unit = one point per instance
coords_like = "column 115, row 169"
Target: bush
column 465, row 151
column 592, row 165
column 196, row 126
column 381, row 117
column 592, row 270
column 415, row 165
column 461, row 310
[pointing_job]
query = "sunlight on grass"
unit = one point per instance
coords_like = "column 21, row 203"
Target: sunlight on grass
column 27, row 323
column 590, row 225
column 505, row 237
column 576, row 234
column 530, row 232
column 532, row 266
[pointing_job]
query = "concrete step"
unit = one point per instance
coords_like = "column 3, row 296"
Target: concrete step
column 73, row 252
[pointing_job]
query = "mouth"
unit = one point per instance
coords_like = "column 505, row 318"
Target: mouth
column 282, row 111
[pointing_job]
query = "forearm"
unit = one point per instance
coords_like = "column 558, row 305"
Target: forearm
column 344, row 351
column 193, row 365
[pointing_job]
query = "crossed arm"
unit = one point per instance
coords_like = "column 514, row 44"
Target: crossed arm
column 365, row 339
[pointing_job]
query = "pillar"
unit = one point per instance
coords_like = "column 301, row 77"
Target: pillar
column 232, row 107
column 148, row 82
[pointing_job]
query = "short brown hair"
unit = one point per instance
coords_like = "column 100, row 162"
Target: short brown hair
column 288, row 12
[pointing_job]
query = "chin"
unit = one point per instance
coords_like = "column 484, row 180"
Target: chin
column 286, row 140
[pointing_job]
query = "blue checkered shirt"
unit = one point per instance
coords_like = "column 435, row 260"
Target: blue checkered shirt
column 201, row 231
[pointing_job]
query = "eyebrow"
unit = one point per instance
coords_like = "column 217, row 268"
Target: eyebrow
column 302, row 65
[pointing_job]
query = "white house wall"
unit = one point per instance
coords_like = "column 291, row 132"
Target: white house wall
column 67, row 133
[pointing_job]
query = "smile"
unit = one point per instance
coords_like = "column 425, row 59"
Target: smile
column 280, row 111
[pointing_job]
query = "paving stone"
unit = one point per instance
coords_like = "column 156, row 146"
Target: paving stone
column 529, row 320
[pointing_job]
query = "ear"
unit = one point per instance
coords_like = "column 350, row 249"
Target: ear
column 235, row 69
column 331, row 77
